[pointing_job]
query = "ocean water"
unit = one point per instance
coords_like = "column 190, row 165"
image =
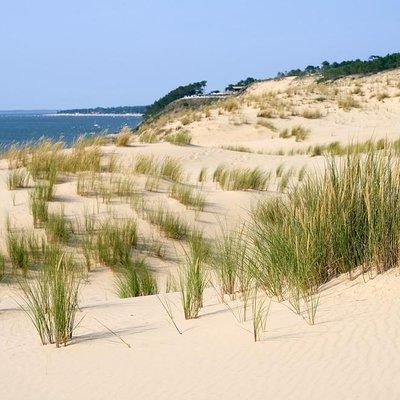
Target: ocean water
column 23, row 126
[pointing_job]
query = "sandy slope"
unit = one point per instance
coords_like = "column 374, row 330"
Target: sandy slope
column 373, row 118
column 351, row 352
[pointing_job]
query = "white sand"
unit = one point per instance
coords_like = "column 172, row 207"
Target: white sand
column 351, row 352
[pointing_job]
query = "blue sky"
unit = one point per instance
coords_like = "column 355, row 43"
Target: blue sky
column 117, row 52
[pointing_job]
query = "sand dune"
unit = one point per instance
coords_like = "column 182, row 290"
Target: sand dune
column 127, row 348
column 350, row 353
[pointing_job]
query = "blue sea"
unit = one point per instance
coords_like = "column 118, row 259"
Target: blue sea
column 23, row 126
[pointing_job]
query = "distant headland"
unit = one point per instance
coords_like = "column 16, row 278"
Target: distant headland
column 125, row 110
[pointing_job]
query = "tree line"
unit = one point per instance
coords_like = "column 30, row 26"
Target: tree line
column 106, row 110
column 337, row 70
column 192, row 89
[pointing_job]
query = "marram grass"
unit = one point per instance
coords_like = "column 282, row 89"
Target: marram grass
column 51, row 299
column 241, row 178
column 344, row 220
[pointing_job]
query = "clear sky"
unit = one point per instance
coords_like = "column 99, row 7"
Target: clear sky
column 84, row 53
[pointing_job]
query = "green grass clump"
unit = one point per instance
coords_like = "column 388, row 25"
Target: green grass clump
column 173, row 226
column 115, row 241
column 192, row 280
column 171, row 169
column 298, row 132
column 284, row 181
column 199, row 247
column 346, row 219
column 80, row 159
column 17, row 179
column 58, row 228
column 338, row 149
column 105, row 186
column 229, row 261
column 18, row 250
column 51, row 300
column 202, row 175
column 168, row 168
column 241, row 178
column 39, row 207
column 180, row 138
column 148, row 137
column 260, row 315
column 145, row 164
column 2, row 267
column 17, row 156
column 187, row 196
column 44, row 190
column 135, row 279
column 242, row 149
column 44, row 161
column 91, row 140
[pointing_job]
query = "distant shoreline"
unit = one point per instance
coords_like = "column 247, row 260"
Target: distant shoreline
column 92, row 115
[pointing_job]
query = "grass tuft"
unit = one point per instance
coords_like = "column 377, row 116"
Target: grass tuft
column 51, row 299
column 180, row 138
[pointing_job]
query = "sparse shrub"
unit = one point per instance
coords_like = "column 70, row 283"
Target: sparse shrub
column 311, row 114
column 230, row 105
column 382, row 96
column 347, row 103
column 267, row 113
column 357, row 90
column 186, row 120
column 285, row 133
column 266, row 124
column 300, row 133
